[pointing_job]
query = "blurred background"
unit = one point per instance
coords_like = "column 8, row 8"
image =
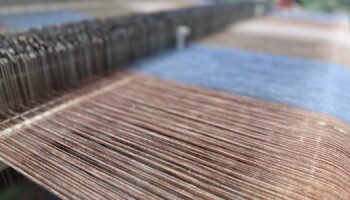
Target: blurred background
column 25, row 14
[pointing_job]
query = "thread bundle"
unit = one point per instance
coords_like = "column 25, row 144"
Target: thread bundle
column 139, row 137
column 38, row 66
column 312, row 85
column 37, row 63
column 135, row 137
column 322, row 41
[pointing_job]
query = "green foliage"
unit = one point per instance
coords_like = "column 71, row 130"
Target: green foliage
column 327, row 5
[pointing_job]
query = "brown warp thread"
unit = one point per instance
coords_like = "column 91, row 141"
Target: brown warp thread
column 148, row 138
column 322, row 50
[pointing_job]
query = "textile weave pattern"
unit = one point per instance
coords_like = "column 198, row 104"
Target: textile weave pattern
column 137, row 137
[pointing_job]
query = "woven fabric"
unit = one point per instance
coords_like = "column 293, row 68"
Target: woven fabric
column 322, row 17
column 139, row 137
column 40, row 19
column 312, row 85
column 234, row 117
column 289, row 37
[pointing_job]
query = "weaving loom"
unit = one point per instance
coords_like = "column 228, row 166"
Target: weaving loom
column 105, row 109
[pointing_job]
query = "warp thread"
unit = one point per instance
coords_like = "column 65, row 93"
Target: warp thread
column 148, row 138
column 312, row 85
column 144, row 137
column 35, row 65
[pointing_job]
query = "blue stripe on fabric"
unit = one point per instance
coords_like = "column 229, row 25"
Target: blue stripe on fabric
column 313, row 16
column 312, row 85
column 39, row 19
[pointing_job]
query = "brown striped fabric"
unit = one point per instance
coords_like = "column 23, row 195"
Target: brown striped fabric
column 301, row 39
column 133, row 136
column 331, row 25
